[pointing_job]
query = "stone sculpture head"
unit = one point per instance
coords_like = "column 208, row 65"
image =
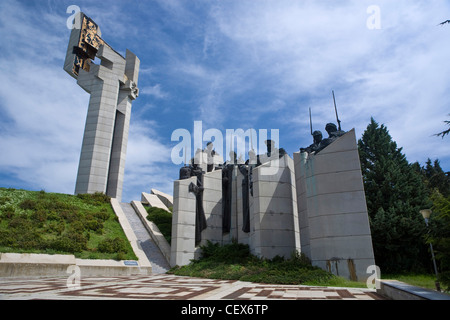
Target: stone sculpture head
column 317, row 136
column 330, row 128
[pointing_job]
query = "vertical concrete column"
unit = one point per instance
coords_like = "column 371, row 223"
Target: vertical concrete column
column 212, row 205
column 127, row 94
column 241, row 236
column 113, row 87
column 274, row 212
column 227, row 238
column 300, row 183
column 339, row 232
column 183, row 223
column 102, row 82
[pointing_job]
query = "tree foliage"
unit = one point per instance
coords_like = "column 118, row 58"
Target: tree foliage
column 445, row 132
column 438, row 185
column 395, row 193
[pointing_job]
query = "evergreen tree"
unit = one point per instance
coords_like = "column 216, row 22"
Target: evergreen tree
column 438, row 185
column 395, row 193
column 445, row 132
column 436, row 178
column 440, row 236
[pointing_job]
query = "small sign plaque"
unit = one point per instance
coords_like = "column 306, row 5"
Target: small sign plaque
column 130, row 263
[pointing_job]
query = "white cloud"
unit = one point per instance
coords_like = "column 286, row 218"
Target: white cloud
column 154, row 91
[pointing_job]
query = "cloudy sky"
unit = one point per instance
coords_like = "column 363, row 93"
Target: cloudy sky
column 230, row 64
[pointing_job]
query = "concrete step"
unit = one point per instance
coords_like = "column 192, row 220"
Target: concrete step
column 153, row 253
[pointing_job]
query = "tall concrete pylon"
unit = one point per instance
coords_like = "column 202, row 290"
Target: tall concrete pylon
column 112, row 86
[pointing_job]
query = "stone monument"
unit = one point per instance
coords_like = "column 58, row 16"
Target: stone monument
column 313, row 204
column 333, row 218
column 112, row 86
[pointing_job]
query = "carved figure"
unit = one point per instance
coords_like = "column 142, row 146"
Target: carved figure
column 271, row 154
column 210, row 153
column 245, row 197
column 185, row 172
column 333, row 134
column 197, row 190
column 227, row 184
column 317, row 135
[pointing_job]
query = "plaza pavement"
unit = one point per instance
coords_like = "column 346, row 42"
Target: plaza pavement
column 168, row 287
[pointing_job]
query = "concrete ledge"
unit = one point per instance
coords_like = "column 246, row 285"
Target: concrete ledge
column 16, row 265
column 397, row 290
column 153, row 201
column 112, row 268
column 20, row 265
column 164, row 197
column 153, row 230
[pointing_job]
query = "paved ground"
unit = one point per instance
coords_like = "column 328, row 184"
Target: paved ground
column 169, row 287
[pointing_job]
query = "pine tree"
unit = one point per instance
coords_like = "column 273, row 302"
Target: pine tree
column 395, row 193
column 440, row 236
column 438, row 185
column 436, row 178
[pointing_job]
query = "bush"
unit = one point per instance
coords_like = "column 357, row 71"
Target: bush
column 116, row 245
column 235, row 262
column 163, row 221
column 4, row 200
column 96, row 198
column 39, row 216
column 102, row 215
column 28, row 204
column 71, row 242
column 8, row 212
column 232, row 253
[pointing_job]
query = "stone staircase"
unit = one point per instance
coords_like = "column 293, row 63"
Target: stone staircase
column 150, row 248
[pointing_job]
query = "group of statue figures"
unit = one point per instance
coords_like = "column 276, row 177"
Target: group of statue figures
column 227, row 168
column 319, row 143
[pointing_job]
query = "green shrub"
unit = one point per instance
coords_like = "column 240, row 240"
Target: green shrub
column 163, row 221
column 115, row 245
column 39, row 215
column 8, row 212
column 94, row 225
column 232, row 253
column 96, row 198
column 102, row 215
column 28, row 204
column 4, row 200
column 235, row 262
column 71, row 242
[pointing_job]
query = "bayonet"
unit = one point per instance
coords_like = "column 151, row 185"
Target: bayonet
column 337, row 115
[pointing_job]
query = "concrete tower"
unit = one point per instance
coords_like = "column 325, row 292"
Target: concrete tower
column 112, row 86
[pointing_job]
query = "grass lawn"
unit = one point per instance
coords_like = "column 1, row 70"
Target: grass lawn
column 51, row 223
column 419, row 280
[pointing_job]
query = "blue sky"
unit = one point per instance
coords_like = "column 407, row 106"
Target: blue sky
column 230, row 64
